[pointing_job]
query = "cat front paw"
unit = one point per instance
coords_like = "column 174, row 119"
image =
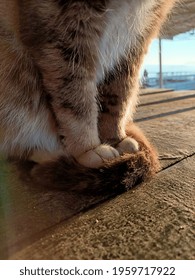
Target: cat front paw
column 128, row 145
column 96, row 157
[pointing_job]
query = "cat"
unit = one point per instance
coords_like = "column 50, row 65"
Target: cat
column 69, row 83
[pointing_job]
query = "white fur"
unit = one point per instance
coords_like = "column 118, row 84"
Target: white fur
column 33, row 132
column 125, row 20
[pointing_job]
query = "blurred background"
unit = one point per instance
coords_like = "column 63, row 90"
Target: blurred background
column 170, row 62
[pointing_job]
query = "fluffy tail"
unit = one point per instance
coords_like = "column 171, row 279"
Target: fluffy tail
column 116, row 176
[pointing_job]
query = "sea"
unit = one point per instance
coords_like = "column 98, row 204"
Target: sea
column 177, row 77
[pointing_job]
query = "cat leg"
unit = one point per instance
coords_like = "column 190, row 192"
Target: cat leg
column 76, row 114
column 119, row 93
column 68, row 67
column 73, row 102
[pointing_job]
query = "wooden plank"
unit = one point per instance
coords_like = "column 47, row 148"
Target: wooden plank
column 148, row 91
column 166, row 97
column 169, row 125
column 158, row 109
column 26, row 213
column 172, row 135
column 155, row 221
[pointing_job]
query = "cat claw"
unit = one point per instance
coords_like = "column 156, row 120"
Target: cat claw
column 96, row 158
column 128, row 145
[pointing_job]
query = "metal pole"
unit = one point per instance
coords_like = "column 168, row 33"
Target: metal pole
column 160, row 64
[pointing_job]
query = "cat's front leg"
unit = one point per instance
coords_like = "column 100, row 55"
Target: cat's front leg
column 118, row 101
column 63, row 42
column 69, row 80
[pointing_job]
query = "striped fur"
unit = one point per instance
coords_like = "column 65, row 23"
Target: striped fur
column 69, row 77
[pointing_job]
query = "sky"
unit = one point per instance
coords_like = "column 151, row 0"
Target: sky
column 179, row 51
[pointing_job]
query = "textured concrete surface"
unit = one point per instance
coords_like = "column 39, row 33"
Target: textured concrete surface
column 153, row 221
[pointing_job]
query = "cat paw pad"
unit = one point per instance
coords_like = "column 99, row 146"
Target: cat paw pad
column 128, row 145
column 96, row 158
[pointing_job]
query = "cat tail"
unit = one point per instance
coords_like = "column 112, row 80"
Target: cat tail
column 115, row 176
